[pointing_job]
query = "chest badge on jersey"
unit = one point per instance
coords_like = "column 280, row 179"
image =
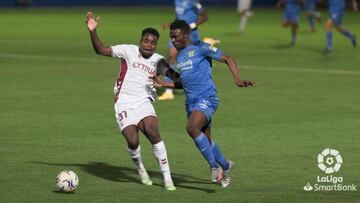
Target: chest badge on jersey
column 191, row 53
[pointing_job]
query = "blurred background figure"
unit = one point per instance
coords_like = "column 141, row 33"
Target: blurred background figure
column 243, row 8
column 311, row 13
column 336, row 14
column 194, row 14
column 291, row 17
column 23, row 3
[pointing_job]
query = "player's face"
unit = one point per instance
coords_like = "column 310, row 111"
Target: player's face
column 148, row 45
column 178, row 38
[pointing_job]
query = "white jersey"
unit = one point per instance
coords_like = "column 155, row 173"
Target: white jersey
column 243, row 5
column 132, row 84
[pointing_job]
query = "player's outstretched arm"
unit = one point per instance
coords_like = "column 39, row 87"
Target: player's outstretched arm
column 97, row 44
column 202, row 18
column 231, row 63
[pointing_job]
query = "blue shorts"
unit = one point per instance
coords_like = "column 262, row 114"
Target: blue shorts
column 207, row 106
column 336, row 16
column 291, row 16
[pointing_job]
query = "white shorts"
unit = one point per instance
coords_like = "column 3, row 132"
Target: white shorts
column 132, row 114
column 243, row 5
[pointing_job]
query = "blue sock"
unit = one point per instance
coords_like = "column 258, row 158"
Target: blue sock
column 329, row 40
column 203, row 145
column 311, row 22
column 218, row 156
column 348, row 34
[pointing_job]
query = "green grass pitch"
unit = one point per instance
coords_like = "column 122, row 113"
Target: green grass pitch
column 56, row 107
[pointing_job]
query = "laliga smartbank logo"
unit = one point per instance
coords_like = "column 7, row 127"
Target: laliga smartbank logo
column 329, row 161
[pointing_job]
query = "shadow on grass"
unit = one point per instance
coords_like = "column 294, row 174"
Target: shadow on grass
column 64, row 193
column 126, row 174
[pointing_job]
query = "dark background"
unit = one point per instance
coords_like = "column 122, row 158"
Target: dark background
column 66, row 3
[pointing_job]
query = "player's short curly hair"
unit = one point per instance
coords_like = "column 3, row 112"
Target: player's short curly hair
column 180, row 24
column 150, row 30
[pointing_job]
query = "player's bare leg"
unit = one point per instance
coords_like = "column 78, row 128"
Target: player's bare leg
column 244, row 15
column 149, row 126
column 294, row 30
column 340, row 28
column 311, row 16
column 131, row 135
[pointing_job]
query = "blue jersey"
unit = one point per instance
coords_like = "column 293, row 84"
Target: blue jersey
column 292, row 6
column 292, row 11
column 188, row 10
column 336, row 11
column 336, row 5
column 195, row 70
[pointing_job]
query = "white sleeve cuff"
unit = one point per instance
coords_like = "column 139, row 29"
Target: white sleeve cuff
column 192, row 25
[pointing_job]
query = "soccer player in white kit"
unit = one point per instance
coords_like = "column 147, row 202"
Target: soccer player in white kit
column 134, row 96
column 243, row 8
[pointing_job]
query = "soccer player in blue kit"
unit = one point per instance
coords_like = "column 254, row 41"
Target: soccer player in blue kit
column 311, row 13
column 194, row 14
column 201, row 94
column 291, row 17
column 336, row 13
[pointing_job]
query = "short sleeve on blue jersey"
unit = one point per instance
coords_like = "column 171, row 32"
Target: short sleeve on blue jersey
column 211, row 51
column 199, row 7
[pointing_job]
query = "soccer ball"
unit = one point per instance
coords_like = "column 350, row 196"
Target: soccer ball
column 67, row 181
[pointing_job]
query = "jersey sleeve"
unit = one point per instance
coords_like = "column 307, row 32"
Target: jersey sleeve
column 118, row 51
column 199, row 7
column 211, row 51
column 158, row 57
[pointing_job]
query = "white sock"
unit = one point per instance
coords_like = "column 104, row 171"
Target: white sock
column 243, row 21
column 169, row 90
column 136, row 157
column 161, row 156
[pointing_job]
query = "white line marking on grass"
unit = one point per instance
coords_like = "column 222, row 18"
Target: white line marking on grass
column 249, row 67
column 301, row 70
